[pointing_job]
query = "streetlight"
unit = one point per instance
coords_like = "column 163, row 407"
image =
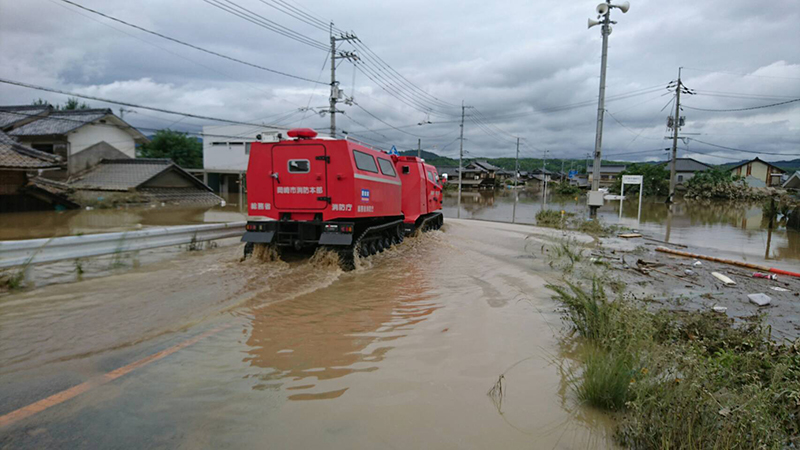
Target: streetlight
column 604, row 19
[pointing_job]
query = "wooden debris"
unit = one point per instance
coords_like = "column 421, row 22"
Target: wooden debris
column 630, row 235
column 725, row 280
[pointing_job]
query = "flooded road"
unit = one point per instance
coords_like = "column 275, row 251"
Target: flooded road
column 733, row 230
column 204, row 351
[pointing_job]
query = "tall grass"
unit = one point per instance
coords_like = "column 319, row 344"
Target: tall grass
column 684, row 380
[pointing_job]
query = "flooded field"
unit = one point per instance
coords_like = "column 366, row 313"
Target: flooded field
column 734, row 230
column 205, row 351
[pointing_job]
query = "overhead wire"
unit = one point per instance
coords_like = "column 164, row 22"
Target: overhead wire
column 742, row 109
column 187, row 44
column 237, row 10
column 132, row 105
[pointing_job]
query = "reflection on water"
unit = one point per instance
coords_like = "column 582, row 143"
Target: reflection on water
column 332, row 333
column 41, row 224
column 738, row 229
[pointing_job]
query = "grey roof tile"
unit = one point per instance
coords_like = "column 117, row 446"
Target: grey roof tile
column 121, row 174
column 9, row 115
column 14, row 155
column 60, row 122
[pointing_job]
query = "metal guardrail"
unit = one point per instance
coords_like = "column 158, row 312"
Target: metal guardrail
column 36, row 251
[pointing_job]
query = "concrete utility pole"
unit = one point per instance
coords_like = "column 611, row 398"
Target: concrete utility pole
column 516, row 169
column 675, row 126
column 419, row 148
column 516, row 178
column 604, row 12
column 335, row 91
column 460, row 159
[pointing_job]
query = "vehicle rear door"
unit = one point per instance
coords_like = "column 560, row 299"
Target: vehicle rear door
column 300, row 176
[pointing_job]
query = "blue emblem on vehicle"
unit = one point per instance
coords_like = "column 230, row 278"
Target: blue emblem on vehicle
column 365, row 195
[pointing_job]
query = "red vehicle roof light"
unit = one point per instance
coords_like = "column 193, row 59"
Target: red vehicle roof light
column 302, row 133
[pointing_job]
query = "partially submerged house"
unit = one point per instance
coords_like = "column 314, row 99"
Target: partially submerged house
column 793, row 182
column 608, row 173
column 142, row 180
column 81, row 137
column 19, row 164
column 763, row 171
column 686, row 168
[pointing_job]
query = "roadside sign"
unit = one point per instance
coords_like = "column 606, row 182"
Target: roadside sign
column 393, row 151
column 632, row 179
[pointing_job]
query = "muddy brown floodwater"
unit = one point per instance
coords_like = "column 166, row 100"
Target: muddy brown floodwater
column 399, row 353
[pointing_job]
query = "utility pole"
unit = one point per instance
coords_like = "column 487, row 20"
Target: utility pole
column 562, row 170
column 516, row 169
column 675, row 126
column 604, row 12
column 419, row 148
column 335, row 91
column 460, row 159
column 516, row 193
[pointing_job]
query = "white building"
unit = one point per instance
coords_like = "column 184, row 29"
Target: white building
column 226, row 150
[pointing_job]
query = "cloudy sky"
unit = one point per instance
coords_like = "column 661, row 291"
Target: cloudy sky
column 530, row 69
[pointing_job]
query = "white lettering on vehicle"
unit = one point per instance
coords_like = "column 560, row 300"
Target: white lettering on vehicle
column 341, row 207
column 260, row 206
column 366, row 208
column 299, row 190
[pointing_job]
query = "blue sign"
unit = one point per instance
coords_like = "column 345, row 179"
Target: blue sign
column 393, row 151
column 572, row 174
column 365, row 195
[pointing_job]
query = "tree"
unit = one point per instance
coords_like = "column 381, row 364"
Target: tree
column 656, row 179
column 181, row 148
column 71, row 104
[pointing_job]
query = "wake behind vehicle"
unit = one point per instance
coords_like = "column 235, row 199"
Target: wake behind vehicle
column 306, row 192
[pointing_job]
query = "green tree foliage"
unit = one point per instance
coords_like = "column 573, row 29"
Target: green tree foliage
column 71, row 104
column 181, row 148
column 656, row 179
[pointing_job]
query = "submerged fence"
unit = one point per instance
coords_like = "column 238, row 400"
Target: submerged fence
column 36, row 251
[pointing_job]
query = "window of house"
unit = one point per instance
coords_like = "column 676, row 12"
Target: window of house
column 386, row 167
column 365, row 161
column 247, row 148
column 43, row 147
column 680, row 178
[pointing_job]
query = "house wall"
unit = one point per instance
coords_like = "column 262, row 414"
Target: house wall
column 169, row 179
column 89, row 135
column 11, row 181
column 759, row 170
column 89, row 157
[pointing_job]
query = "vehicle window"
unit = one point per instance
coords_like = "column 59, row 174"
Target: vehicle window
column 387, row 168
column 365, row 161
column 430, row 177
column 299, row 166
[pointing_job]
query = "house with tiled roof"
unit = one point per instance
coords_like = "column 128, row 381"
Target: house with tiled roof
column 141, row 180
column 763, row 171
column 685, row 169
column 19, row 164
column 81, row 137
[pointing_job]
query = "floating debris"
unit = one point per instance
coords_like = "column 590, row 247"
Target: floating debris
column 759, row 299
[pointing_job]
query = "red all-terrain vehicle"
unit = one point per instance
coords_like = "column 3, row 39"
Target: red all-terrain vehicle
column 307, row 191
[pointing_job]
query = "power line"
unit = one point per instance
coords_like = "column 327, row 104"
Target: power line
column 132, row 105
column 177, row 41
column 738, row 149
column 741, row 74
column 402, row 79
column 263, row 22
column 743, row 109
